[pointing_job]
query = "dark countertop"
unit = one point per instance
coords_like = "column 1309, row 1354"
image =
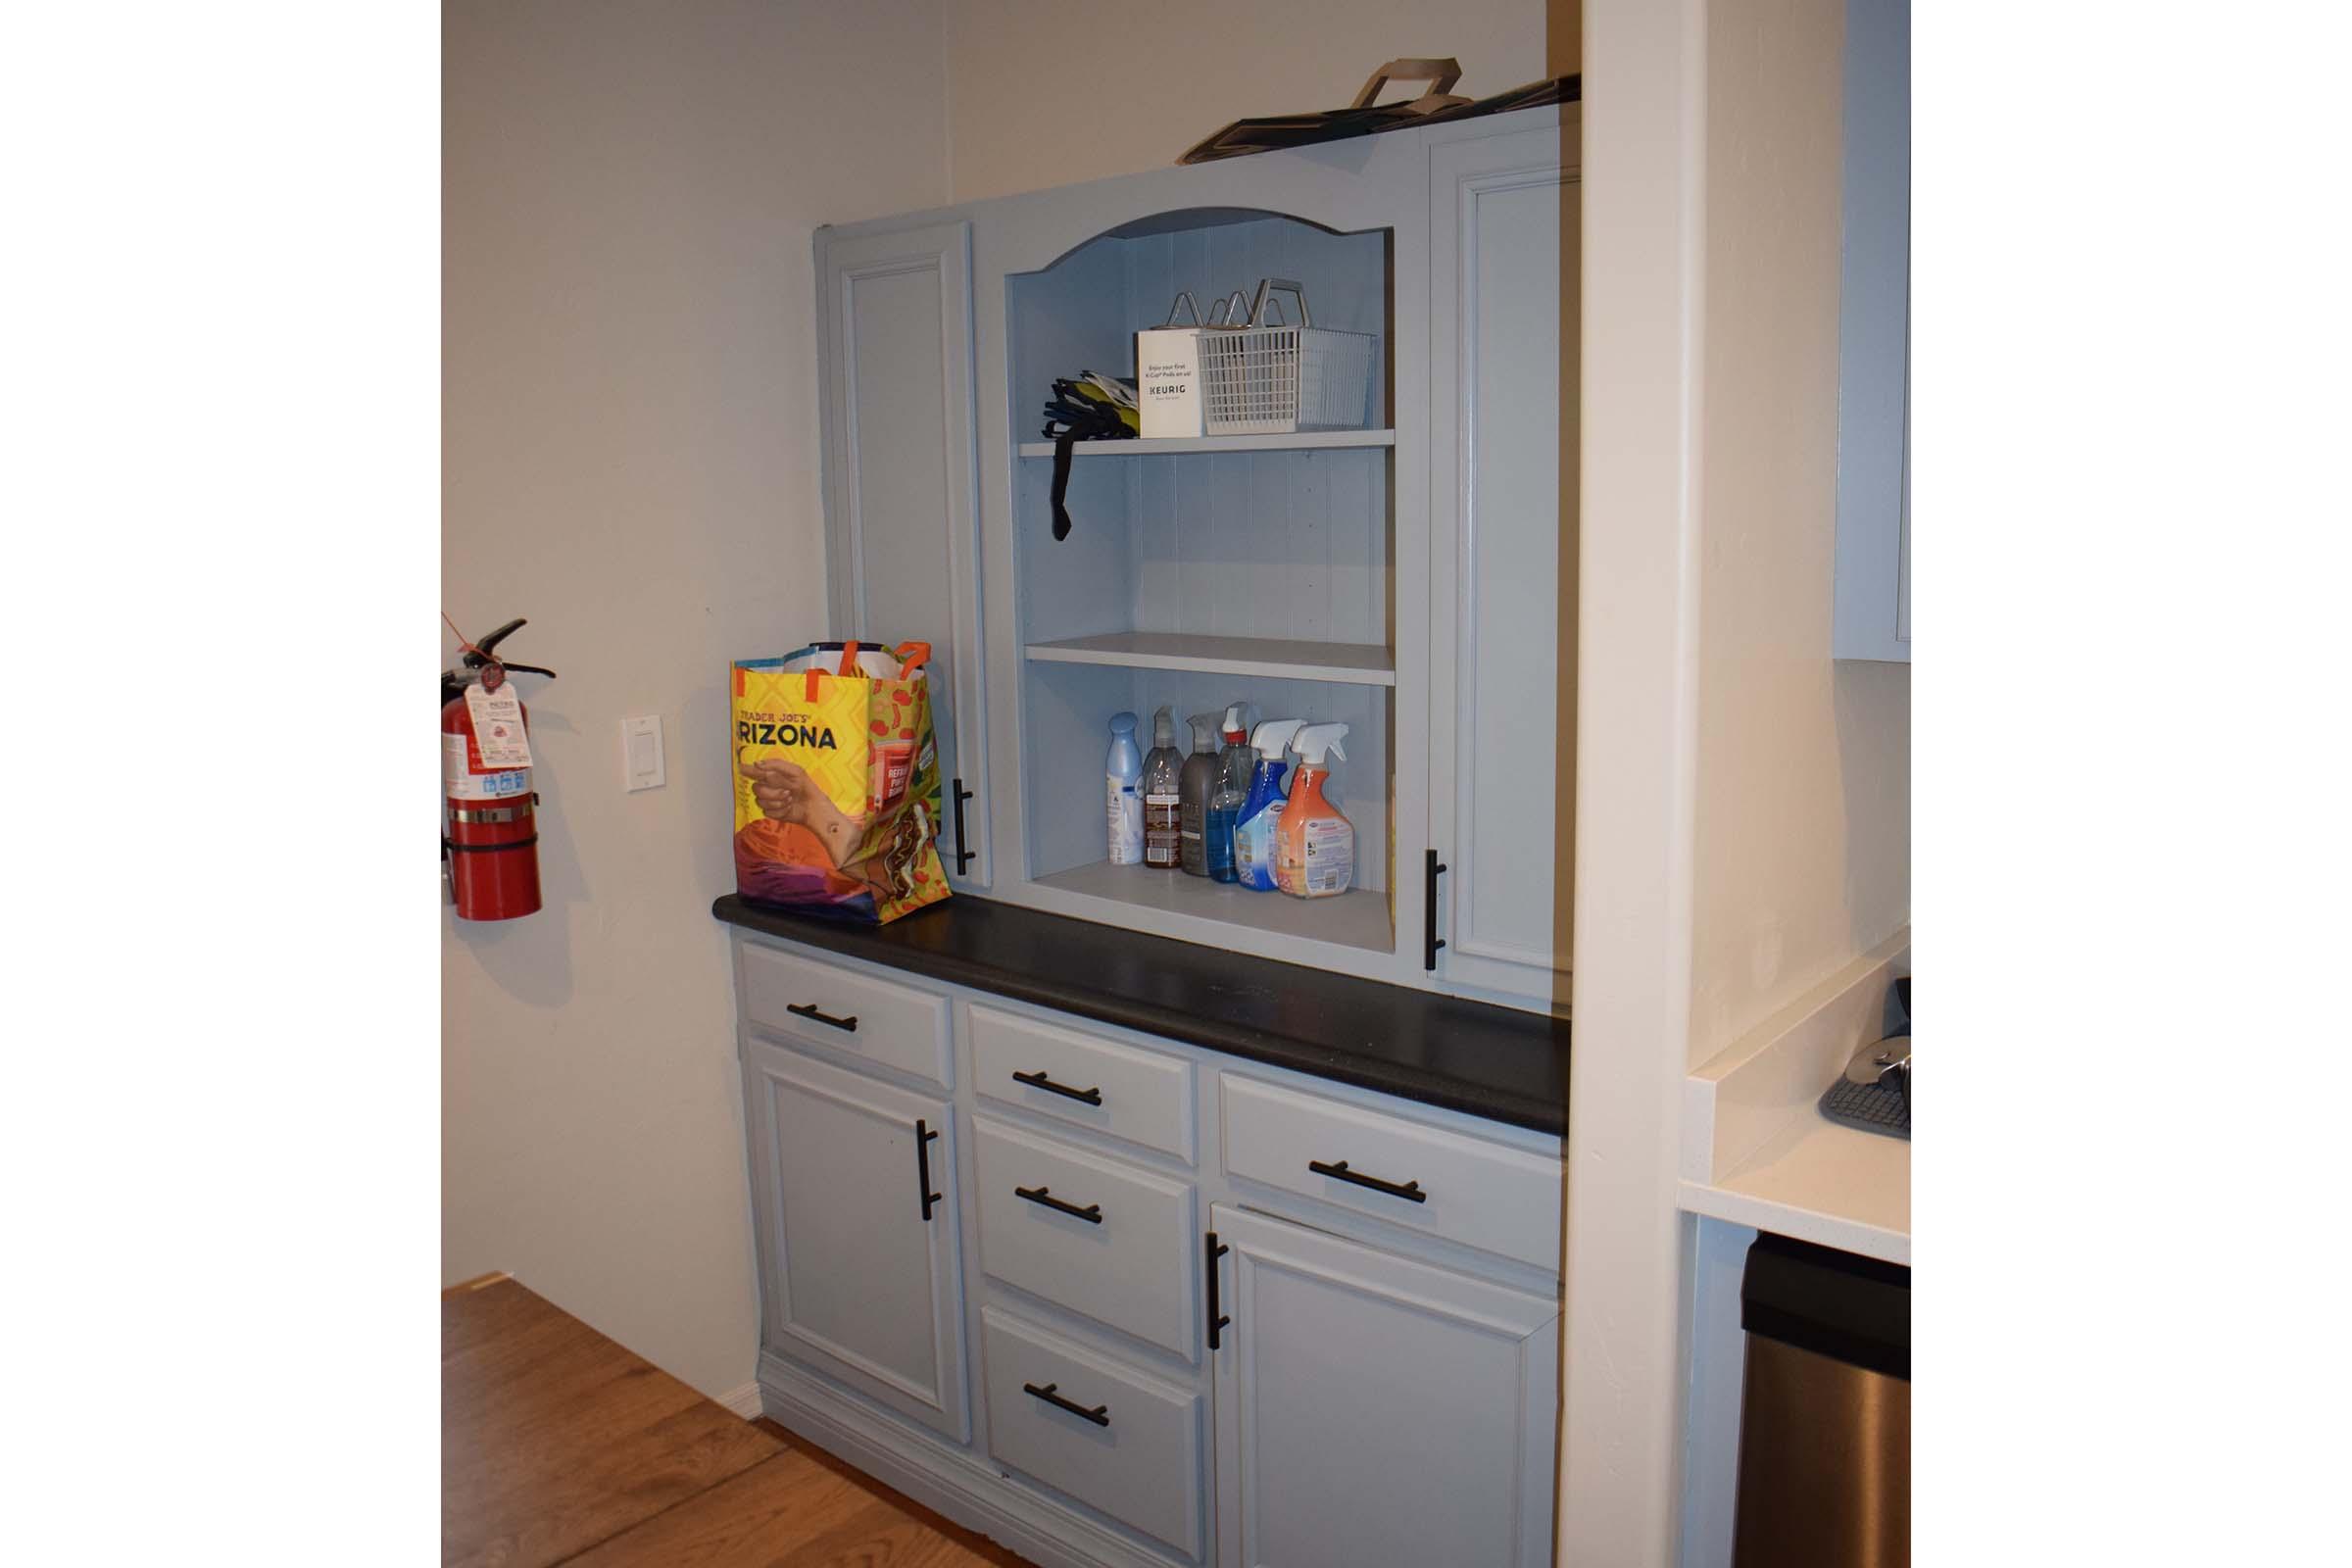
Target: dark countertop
column 1496, row 1062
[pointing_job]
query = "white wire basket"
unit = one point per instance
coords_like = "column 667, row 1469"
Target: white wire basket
column 1277, row 380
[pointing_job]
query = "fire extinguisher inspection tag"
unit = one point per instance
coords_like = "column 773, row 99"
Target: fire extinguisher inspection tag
column 498, row 732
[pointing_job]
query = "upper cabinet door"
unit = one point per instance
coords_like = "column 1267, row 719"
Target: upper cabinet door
column 1873, row 340
column 902, row 516
column 1503, row 558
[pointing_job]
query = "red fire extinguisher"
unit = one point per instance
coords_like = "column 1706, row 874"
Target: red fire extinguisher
column 490, row 831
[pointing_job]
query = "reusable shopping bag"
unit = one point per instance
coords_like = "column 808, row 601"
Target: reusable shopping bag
column 837, row 781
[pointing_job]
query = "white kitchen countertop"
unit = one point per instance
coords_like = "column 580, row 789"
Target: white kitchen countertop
column 1756, row 1149
column 1839, row 1186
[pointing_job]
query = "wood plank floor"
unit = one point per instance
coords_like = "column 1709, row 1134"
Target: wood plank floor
column 981, row 1549
column 790, row 1512
column 560, row 1447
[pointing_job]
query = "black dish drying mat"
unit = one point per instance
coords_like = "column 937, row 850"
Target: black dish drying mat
column 1873, row 1108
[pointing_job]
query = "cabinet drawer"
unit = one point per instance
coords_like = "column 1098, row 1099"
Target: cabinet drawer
column 1140, row 1096
column 881, row 1021
column 1488, row 1195
column 1130, row 1265
column 1140, row 1463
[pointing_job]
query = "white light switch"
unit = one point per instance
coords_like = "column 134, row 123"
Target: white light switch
column 641, row 753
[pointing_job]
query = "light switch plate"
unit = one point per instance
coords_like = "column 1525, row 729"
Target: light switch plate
column 641, row 764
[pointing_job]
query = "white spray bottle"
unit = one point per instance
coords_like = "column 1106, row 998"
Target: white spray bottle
column 1122, row 778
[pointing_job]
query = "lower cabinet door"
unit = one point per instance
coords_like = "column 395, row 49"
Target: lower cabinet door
column 857, row 1250
column 1377, row 1412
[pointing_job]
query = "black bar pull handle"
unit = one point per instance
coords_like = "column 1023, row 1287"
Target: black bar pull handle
column 964, row 856
column 1037, row 1080
column 1431, row 941
column 1216, row 1319
column 809, row 1011
column 1410, row 1190
column 1092, row 1213
column 1100, row 1415
column 922, row 1166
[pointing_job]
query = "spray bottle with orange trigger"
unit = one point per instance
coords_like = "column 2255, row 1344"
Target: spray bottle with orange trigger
column 1314, row 846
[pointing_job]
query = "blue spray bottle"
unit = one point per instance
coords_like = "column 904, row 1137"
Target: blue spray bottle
column 1253, row 834
column 1236, row 767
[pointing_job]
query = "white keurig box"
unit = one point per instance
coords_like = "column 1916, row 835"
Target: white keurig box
column 1167, row 374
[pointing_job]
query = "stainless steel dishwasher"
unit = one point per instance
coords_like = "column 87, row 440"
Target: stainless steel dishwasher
column 1825, row 1426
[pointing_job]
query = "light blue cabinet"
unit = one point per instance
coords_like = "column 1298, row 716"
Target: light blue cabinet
column 901, row 507
column 1404, row 579
column 1383, row 1389
column 1244, row 1343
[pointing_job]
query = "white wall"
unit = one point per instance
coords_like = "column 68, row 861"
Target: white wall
column 1804, row 777
column 630, row 460
column 1047, row 92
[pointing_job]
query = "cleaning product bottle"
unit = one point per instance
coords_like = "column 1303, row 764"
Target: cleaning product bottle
column 1253, row 830
column 1314, row 846
column 1122, row 775
column 1194, row 787
column 1163, row 789
column 1234, row 768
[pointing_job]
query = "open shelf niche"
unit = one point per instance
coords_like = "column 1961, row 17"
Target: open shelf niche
column 1068, row 708
column 1256, row 568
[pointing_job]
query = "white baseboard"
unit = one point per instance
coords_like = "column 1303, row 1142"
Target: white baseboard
column 744, row 1401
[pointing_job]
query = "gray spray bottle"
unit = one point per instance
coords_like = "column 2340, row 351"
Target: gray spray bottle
column 1194, row 786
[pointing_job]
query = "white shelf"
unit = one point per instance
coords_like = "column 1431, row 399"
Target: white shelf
column 1356, row 918
column 1305, row 440
column 1266, row 658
